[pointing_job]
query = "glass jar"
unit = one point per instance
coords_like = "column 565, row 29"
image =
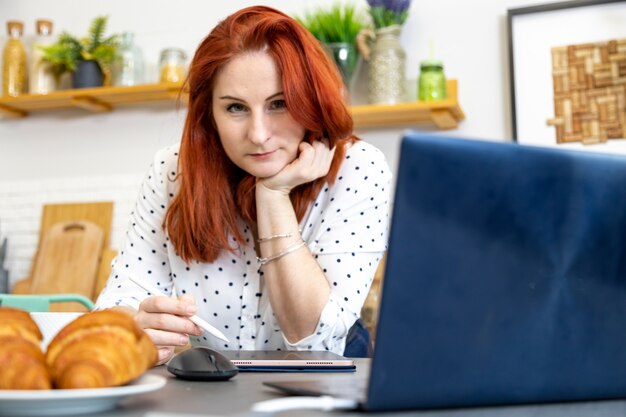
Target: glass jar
column 41, row 76
column 172, row 65
column 432, row 81
column 128, row 66
column 14, row 78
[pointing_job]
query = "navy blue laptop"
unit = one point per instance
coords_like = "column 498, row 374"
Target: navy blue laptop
column 505, row 280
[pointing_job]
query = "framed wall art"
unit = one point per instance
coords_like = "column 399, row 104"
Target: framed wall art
column 568, row 74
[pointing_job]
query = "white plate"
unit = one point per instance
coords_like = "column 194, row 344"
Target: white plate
column 72, row 401
column 50, row 324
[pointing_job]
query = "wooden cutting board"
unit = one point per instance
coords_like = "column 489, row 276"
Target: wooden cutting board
column 67, row 261
column 100, row 213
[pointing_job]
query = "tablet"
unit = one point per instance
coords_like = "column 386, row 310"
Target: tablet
column 289, row 360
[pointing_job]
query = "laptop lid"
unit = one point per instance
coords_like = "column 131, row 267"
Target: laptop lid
column 505, row 277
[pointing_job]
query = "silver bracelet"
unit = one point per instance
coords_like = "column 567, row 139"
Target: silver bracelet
column 287, row 251
column 265, row 239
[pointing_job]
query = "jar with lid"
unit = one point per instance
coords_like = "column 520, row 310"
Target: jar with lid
column 172, row 65
column 128, row 67
column 432, row 81
column 14, row 78
column 41, row 77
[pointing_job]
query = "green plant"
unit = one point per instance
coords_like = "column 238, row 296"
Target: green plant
column 68, row 50
column 340, row 23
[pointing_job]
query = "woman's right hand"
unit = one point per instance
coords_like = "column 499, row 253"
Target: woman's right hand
column 313, row 162
column 166, row 321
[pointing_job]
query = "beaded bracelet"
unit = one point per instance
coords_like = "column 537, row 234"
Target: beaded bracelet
column 265, row 239
column 287, row 251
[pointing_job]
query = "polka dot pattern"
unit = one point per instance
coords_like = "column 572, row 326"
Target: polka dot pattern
column 345, row 229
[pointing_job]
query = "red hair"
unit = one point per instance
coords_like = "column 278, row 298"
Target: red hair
column 213, row 191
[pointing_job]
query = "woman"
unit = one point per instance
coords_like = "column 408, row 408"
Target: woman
column 270, row 220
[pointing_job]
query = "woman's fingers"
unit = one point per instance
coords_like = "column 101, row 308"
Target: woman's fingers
column 163, row 338
column 180, row 326
column 164, row 353
column 306, row 154
column 313, row 162
column 188, row 299
column 166, row 320
column 168, row 305
column 323, row 157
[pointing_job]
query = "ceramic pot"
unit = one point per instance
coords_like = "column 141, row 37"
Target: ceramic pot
column 87, row 74
column 386, row 75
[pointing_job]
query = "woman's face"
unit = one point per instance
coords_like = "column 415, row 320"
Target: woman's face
column 255, row 128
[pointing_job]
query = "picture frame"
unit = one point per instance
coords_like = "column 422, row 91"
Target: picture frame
column 536, row 36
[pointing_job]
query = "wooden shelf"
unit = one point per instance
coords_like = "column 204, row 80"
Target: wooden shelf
column 442, row 114
column 98, row 99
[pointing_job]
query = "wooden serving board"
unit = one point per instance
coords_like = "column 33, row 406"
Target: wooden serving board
column 68, row 261
column 100, row 213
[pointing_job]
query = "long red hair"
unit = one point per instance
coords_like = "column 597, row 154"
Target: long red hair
column 213, row 191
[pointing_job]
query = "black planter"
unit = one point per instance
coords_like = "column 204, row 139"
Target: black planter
column 87, row 74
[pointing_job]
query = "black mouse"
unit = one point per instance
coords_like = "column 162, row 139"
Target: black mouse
column 202, row 364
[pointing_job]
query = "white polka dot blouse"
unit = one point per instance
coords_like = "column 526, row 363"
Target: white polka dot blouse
column 345, row 229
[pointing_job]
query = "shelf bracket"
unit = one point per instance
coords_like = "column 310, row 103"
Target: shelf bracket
column 91, row 104
column 443, row 119
column 11, row 113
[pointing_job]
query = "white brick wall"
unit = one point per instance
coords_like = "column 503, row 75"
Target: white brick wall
column 21, row 203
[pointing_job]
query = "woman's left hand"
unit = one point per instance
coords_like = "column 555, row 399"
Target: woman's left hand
column 313, row 162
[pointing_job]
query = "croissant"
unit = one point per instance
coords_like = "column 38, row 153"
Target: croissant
column 100, row 349
column 22, row 363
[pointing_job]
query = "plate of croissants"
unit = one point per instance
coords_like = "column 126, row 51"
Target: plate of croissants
column 92, row 362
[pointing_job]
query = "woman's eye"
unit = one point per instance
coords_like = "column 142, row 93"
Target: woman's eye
column 235, row 107
column 278, row 105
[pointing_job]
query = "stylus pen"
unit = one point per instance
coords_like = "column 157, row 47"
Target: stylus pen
column 200, row 322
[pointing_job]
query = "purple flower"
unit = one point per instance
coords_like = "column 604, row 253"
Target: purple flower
column 377, row 3
column 396, row 6
column 388, row 12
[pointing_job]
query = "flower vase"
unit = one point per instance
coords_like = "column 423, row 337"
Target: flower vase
column 345, row 56
column 386, row 76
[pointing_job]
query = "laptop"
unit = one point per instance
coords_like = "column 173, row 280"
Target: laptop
column 505, row 280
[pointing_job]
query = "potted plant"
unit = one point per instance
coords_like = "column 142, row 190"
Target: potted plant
column 337, row 29
column 86, row 58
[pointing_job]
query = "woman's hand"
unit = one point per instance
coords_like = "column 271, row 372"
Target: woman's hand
column 313, row 162
column 166, row 321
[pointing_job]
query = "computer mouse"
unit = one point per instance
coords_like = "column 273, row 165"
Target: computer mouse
column 202, row 364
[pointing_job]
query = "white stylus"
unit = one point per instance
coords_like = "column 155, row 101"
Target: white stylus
column 200, row 322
